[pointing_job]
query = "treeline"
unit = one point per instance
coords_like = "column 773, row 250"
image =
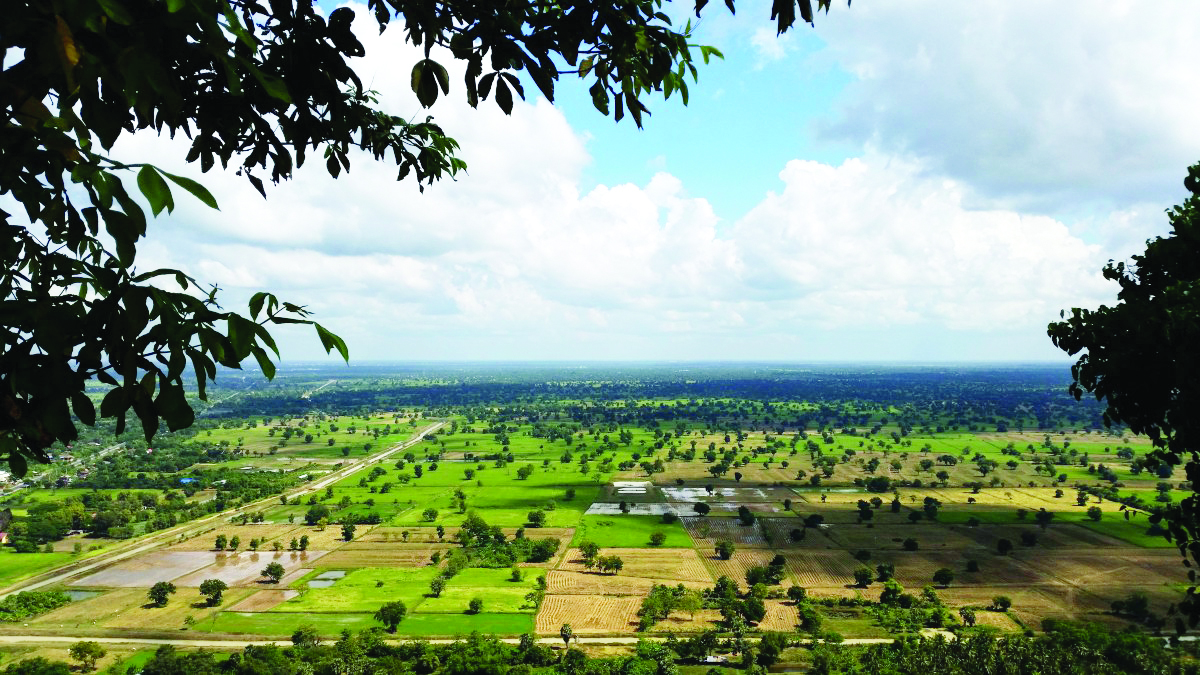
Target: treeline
column 970, row 398
column 1066, row 649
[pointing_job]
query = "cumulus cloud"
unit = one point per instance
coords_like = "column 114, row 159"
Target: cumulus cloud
column 877, row 257
column 1037, row 107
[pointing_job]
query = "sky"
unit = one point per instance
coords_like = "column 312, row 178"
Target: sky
column 919, row 181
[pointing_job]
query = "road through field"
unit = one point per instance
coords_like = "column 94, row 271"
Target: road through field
column 170, row 535
column 238, row 644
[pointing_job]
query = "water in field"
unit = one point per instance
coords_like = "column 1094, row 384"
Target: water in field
column 326, row 579
column 76, row 596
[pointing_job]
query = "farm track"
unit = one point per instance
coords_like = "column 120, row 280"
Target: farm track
column 168, row 536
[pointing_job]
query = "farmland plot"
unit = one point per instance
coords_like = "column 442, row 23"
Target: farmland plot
column 145, row 570
column 589, row 614
column 579, row 583
column 742, row 560
column 246, row 568
column 668, row 565
column 408, row 555
column 206, row 542
column 821, row 568
column 707, row 531
column 891, row 537
column 262, row 601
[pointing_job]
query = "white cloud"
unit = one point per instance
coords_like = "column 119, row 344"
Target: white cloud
column 1039, row 106
column 878, row 257
column 768, row 46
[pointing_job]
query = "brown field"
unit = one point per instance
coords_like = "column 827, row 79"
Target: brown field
column 707, row 531
column 263, row 532
column 145, row 570
column 261, row 601
column 821, row 569
column 328, row 539
column 742, row 560
column 128, row 608
column 1056, row 536
column 411, row 555
column 928, row 535
column 1116, row 568
column 781, row 616
column 589, row 614
column 580, row 583
column 245, row 569
column 668, row 564
column 682, row 622
column 916, row 569
column 779, row 529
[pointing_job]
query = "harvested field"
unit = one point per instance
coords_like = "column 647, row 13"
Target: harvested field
column 821, row 568
column 742, row 560
column 1115, row 568
column 781, row 616
column 324, row 540
column 1057, row 536
column 916, row 569
column 407, row 555
column 707, row 531
column 145, row 570
column 682, row 622
column 263, row 532
column 187, row 602
column 588, row 614
column 579, row 583
column 668, row 564
column 261, row 601
column 778, row 532
column 928, row 535
column 246, row 568
column 999, row 620
column 1031, row 600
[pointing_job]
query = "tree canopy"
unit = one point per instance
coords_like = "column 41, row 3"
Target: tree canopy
column 257, row 88
column 1139, row 357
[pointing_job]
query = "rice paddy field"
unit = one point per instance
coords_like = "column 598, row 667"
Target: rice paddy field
column 1073, row 566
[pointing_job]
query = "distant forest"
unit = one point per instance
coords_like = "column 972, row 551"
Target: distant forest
column 967, row 397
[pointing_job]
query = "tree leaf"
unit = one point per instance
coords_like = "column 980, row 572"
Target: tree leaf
column 330, row 341
column 84, row 409
column 155, row 189
column 17, row 464
column 196, row 189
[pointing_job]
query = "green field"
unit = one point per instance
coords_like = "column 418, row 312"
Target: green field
column 629, row 531
column 359, row 591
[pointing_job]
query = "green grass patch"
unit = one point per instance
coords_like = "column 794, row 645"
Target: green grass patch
column 629, row 531
column 359, row 591
column 272, row 624
column 427, row 625
column 17, row 566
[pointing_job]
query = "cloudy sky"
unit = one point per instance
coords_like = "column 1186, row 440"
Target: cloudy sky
column 918, row 181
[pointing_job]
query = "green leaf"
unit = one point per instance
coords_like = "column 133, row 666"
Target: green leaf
column 155, row 189
column 197, row 190
column 84, row 409
column 330, row 341
column 256, row 303
column 175, row 5
column 17, row 464
column 116, row 11
column 428, row 77
column 504, row 96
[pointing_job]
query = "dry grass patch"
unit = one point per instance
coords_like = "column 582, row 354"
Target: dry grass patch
column 778, row 531
column 671, row 564
column 891, row 537
column 415, row 555
column 1108, row 569
column 742, row 560
column 261, row 601
column 325, row 540
column 781, row 616
column 187, row 602
column 821, row 568
column 580, row 583
column 588, row 614
column 682, row 622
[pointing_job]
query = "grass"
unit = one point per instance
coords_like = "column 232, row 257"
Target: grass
column 629, row 531
column 359, row 591
column 17, row 566
column 272, row 624
column 493, row 586
column 1133, row 532
column 426, row 625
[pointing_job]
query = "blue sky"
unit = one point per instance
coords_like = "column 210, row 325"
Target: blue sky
column 921, row 181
